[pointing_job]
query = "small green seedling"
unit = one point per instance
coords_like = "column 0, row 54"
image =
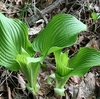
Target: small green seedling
column 16, row 51
column 95, row 16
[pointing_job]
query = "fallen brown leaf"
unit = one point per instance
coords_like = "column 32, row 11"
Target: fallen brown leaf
column 21, row 82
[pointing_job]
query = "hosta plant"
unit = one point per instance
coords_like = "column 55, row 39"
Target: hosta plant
column 62, row 32
column 16, row 51
column 76, row 66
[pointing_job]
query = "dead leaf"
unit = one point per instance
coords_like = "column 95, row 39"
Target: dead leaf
column 35, row 30
column 49, row 2
column 1, row 4
column 97, row 8
column 2, row 88
column 80, row 39
column 93, row 43
column 80, row 94
column 75, row 79
column 19, row 1
column 83, row 90
column 4, row 73
column 21, row 82
column 90, row 79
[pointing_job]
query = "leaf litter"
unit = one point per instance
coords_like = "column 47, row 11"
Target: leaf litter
column 86, row 87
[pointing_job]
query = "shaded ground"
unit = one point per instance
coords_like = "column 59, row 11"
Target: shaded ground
column 36, row 15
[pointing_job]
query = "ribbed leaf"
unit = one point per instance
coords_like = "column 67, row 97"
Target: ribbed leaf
column 23, row 63
column 13, row 37
column 30, row 70
column 76, row 66
column 84, row 60
column 61, row 32
column 61, row 63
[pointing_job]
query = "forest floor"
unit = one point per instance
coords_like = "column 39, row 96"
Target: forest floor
column 36, row 14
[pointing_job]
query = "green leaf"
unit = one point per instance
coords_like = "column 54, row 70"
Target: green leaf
column 30, row 70
column 23, row 63
column 61, row 63
column 61, row 32
column 95, row 16
column 76, row 66
column 83, row 61
column 34, row 69
column 13, row 38
column 62, row 71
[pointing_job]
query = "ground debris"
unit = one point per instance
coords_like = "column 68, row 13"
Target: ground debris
column 85, row 87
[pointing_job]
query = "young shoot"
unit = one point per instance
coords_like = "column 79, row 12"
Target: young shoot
column 16, row 51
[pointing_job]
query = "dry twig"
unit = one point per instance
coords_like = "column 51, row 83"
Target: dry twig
column 41, row 13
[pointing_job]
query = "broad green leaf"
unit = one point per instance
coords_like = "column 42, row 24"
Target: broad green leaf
column 30, row 70
column 13, row 38
column 83, row 61
column 76, row 66
column 23, row 63
column 61, row 32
